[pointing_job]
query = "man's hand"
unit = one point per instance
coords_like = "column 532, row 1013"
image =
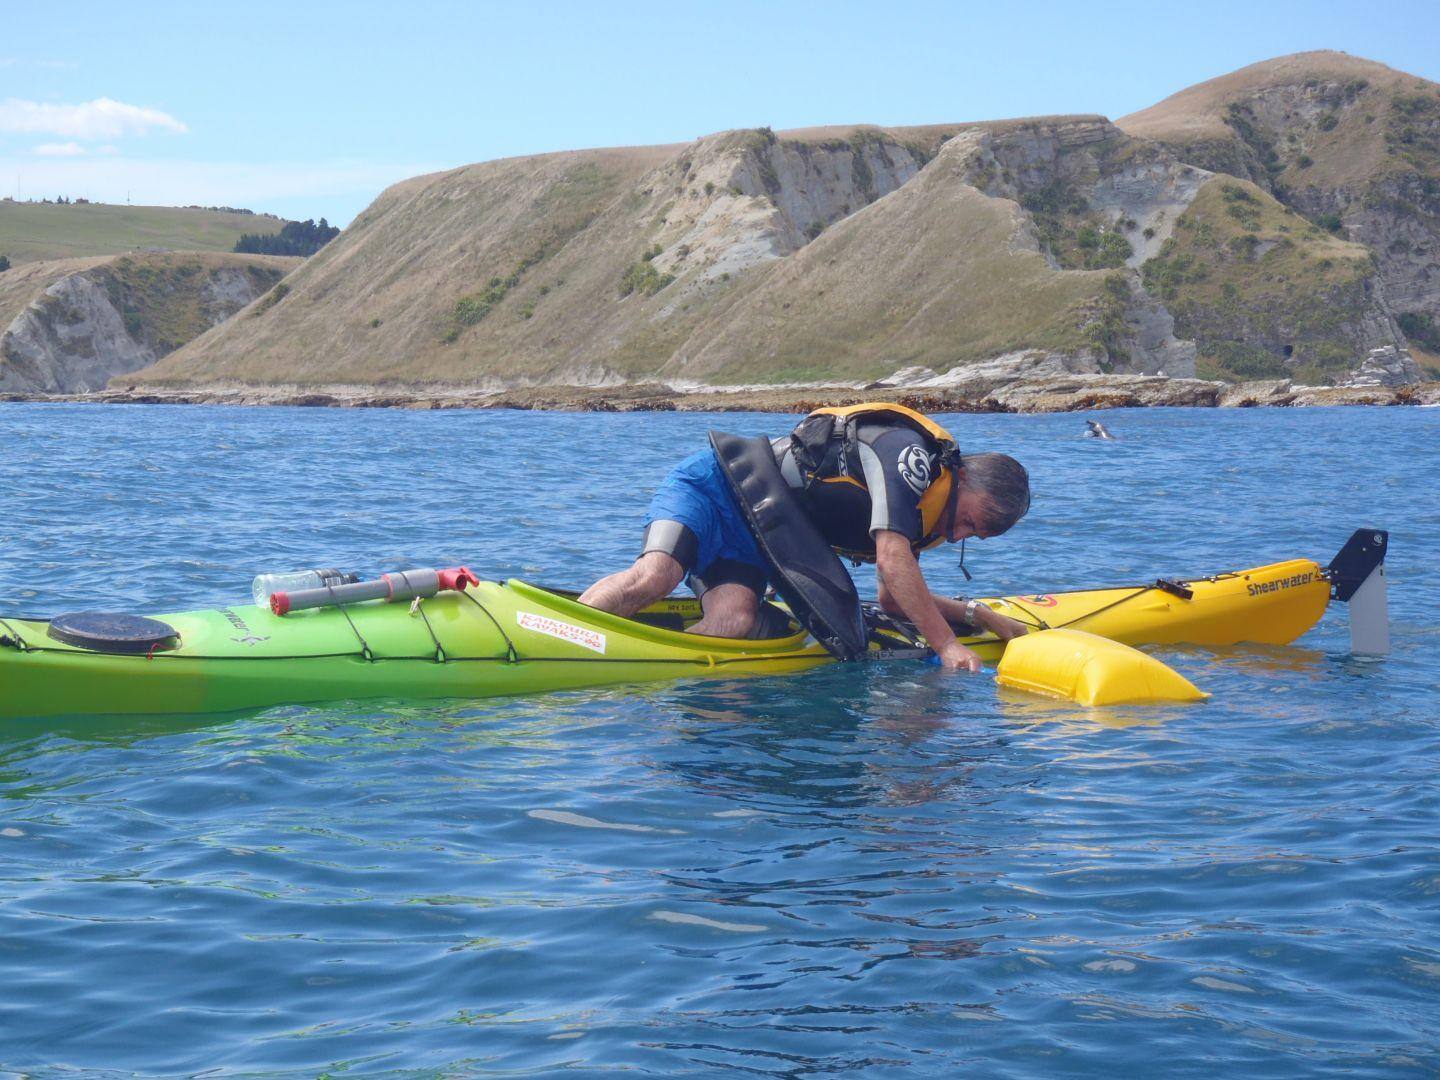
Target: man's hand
column 903, row 586
column 956, row 657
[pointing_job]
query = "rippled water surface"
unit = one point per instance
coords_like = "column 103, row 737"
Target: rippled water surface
column 881, row 871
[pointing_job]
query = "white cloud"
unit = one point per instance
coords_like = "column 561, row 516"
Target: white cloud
column 59, row 149
column 102, row 118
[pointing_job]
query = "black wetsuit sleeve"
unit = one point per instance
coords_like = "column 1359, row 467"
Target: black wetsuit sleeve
column 897, row 468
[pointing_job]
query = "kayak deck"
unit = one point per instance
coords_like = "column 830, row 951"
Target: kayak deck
column 516, row 638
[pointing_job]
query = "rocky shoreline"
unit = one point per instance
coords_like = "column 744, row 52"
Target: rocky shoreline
column 1077, row 393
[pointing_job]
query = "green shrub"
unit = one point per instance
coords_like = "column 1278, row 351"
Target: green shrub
column 709, row 187
column 1246, row 361
column 1421, row 329
column 1327, row 122
column 374, row 323
column 1247, row 215
column 1304, row 161
column 469, row 310
column 1331, row 223
column 1244, row 245
column 273, row 297
column 860, row 170
column 4, row 263
column 1414, row 104
column 1107, row 332
column 1102, row 250
column 1168, row 273
column 643, row 278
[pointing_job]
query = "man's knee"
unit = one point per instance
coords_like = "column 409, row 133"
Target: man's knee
column 646, row 580
column 657, row 570
column 730, row 610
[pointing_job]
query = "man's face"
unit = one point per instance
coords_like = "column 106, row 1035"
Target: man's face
column 972, row 513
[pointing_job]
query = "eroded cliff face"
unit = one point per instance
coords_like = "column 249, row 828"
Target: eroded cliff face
column 1074, row 174
column 1398, row 218
column 71, row 338
column 1233, row 278
column 755, row 197
column 87, row 323
column 1383, row 199
column 1351, row 144
column 1097, row 200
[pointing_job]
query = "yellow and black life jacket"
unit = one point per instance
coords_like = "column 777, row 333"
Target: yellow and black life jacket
column 824, row 438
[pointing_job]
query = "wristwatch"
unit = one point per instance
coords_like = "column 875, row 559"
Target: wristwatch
column 970, row 606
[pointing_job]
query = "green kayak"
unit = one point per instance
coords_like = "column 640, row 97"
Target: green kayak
column 495, row 638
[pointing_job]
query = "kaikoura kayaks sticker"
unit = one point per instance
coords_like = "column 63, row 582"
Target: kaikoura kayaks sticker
column 576, row 635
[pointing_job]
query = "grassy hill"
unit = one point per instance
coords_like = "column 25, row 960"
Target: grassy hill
column 745, row 256
column 752, row 256
column 32, row 232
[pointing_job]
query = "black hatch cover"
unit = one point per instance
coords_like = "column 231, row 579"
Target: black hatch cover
column 110, row 632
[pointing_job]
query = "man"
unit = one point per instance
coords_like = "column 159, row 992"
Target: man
column 881, row 483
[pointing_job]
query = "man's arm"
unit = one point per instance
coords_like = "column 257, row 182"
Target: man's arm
column 1001, row 626
column 902, row 584
column 953, row 611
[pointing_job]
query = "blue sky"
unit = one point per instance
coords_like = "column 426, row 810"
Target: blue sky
column 310, row 109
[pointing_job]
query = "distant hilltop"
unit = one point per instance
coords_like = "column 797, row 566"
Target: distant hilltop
column 90, row 290
column 67, row 228
column 1280, row 222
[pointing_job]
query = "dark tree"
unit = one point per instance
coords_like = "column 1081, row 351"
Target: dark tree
column 295, row 238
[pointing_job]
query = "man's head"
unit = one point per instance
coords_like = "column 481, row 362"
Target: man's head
column 992, row 494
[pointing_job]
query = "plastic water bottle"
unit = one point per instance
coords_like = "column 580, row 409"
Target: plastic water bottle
column 266, row 584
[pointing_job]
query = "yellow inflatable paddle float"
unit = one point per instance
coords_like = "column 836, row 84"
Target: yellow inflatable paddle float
column 1091, row 670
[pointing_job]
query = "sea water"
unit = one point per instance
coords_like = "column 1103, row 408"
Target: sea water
column 864, row 870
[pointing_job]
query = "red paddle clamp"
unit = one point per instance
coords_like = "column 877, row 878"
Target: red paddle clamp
column 401, row 585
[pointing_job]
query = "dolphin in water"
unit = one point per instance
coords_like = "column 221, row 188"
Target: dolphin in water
column 1097, row 430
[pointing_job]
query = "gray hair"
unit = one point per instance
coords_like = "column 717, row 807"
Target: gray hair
column 1004, row 483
